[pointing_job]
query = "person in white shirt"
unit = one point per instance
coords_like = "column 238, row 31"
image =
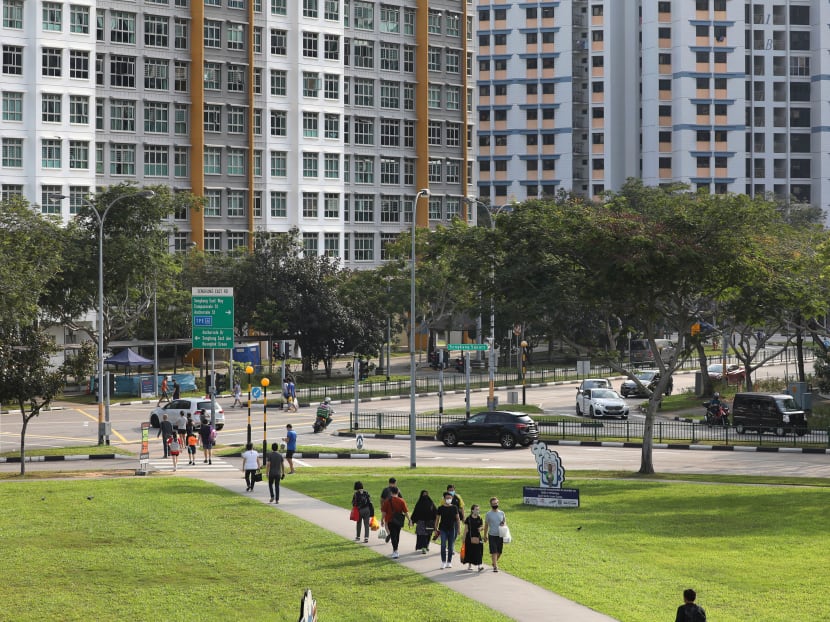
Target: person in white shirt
column 250, row 464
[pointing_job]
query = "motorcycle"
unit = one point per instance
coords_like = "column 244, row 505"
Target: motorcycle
column 716, row 414
column 324, row 417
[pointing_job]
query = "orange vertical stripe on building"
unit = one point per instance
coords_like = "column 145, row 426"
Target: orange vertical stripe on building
column 197, row 127
column 422, row 109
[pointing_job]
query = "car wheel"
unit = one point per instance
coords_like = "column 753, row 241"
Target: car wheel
column 779, row 431
column 507, row 440
column 154, row 421
column 450, row 439
column 739, row 428
column 578, row 410
column 219, row 426
column 801, row 431
column 592, row 415
column 625, row 416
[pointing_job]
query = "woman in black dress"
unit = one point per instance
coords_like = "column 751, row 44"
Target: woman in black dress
column 424, row 518
column 473, row 547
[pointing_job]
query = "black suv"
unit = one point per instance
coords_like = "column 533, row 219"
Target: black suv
column 498, row 426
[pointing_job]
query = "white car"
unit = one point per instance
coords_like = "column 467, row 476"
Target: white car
column 601, row 403
column 192, row 405
column 593, row 383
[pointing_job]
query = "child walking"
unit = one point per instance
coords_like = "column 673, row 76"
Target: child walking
column 175, row 450
column 192, row 441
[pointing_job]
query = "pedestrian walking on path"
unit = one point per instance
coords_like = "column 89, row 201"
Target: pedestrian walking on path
column 275, row 468
column 250, row 464
column 494, row 519
column 395, row 514
column 448, row 526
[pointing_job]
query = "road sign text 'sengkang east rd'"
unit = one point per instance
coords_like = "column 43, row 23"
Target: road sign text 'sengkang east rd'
column 465, row 347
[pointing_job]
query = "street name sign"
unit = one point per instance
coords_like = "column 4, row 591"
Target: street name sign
column 466, row 347
column 211, row 310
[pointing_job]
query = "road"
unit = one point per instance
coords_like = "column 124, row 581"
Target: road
column 75, row 426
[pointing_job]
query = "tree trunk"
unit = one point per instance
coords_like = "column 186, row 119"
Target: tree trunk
column 23, row 439
column 799, row 352
column 646, row 457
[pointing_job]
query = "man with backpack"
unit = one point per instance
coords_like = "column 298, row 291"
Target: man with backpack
column 690, row 611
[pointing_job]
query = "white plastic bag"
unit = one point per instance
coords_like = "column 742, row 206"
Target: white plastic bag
column 504, row 534
column 382, row 533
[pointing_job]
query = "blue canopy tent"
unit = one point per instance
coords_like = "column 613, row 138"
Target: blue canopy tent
column 128, row 359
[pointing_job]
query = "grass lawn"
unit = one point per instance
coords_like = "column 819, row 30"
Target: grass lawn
column 752, row 552
column 179, row 549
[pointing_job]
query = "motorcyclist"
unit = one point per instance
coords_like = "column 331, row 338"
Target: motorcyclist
column 325, row 410
column 714, row 406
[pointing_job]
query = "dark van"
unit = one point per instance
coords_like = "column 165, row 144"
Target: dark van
column 768, row 412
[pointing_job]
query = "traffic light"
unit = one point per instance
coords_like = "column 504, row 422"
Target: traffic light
column 276, row 351
column 363, row 372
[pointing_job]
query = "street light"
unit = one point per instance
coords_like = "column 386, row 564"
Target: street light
column 421, row 193
column 524, row 369
column 101, row 217
column 249, row 370
column 264, row 382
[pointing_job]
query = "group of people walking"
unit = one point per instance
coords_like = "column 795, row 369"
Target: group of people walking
column 182, row 436
column 444, row 522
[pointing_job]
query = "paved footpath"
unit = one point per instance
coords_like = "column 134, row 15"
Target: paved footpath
column 500, row 591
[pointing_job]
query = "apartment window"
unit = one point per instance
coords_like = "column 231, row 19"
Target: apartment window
column 122, row 71
column 181, row 117
column 122, row 115
column 13, row 14
column 279, row 160
column 13, row 153
column 51, row 60
column 364, row 92
column 180, row 33
column 390, row 171
column 409, row 21
column 156, row 161
column 180, row 76
column 331, row 46
column 310, row 44
column 434, row 167
column 99, row 158
column 236, row 120
column 236, row 78
column 364, row 169
column 390, row 56
column 79, row 64
column 453, row 135
column 390, row 133
column 331, row 125
column 434, row 59
column 213, row 118
column 213, row 205
column 122, row 27
column 310, row 8
column 453, row 98
column 364, row 53
column 331, row 86
column 434, row 133
column 257, row 163
column 390, row 18
column 79, row 110
column 52, row 16
column 310, row 205
column 364, row 208
column 181, row 162
column 311, row 84
column 364, row 247
column 50, row 108
column 213, row 34
column 279, row 205
column 156, row 117
column 390, row 95
column 364, row 15
column 279, row 42
column 409, row 59
column 156, row 31
column 278, row 123
column 452, row 60
column 236, row 162
column 311, row 164
column 278, row 82
column 364, row 131
column 311, row 125
column 331, row 10
column 156, row 74
column 77, row 194
column 213, row 160
column 278, row 7
column 408, row 134
column 236, row 36
column 122, row 159
column 331, row 165
column 78, row 19
column 434, row 96
column 213, row 76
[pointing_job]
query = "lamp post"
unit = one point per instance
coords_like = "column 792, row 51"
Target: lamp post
column 524, row 370
column 249, row 370
column 421, row 193
column 100, row 217
column 265, row 382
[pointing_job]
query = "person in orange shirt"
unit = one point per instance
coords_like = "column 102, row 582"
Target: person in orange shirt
column 192, row 441
column 395, row 514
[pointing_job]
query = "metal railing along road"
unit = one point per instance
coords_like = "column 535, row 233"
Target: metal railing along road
column 621, row 431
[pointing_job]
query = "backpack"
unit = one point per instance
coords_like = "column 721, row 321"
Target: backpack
column 361, row 498
column 212, row 434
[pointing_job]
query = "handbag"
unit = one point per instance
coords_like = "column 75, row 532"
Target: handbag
column 475, row 540
column 382, row 533
column 355, row 515
column 398, row 519
column 258, row 476
column 504, row 534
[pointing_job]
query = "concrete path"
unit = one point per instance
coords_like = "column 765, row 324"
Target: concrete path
column 514, row 597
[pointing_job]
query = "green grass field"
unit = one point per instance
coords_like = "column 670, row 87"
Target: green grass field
column 178, row 549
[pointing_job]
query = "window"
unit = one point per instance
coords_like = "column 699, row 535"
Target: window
column 278, row 123
column 279, row 161
column 364, row 169
column 278, row 82
column 213, row 118
column 311, row 166
column 181, row 116
column 50, row 108
column 390, row 94
column 311, row 123
column 332, row 125
column 13, row 14
column 122, row 159
column 279, row 201
column 452, row 61
column 364, row 208
column 156, row 117
column 364, row 92
column 236, row 78
column 156, row 31
column 278, row 7
column 390, row 171
column 236, row 36
column 236, row 120
column 453, row 135
column 180, row 33
column 331, row 87
column 52, row 16
column 213, row 160
column 213, row 204
column 79, row 64
column 213, row 34
column 50, row 62
column 331, row 44
column 434, row 22
column 434, row 96
column 236, row 161
column 310, row 205
column 332, row 10
column 180, row 76
column 155, row 161
column 434, row 167
column 311, row 84
column 390, row 133
column 122, row 71
column 12, row 153
column 390, row 56
column 122, row 27
column 408, row 59
column 364, row 15
column 79, row 110
column 310, row 44
column 122, row 115
column 434, row 133
column 156, row 74
column 331, row 165
column 310, row 8
column 364, row 53
column 213, row 76
column 181, row 165
column 78, row 19
column 390, row 18
column 409, row 21
column 279, row 42
column 364, row 131
column 453, row 98
column 434, row 59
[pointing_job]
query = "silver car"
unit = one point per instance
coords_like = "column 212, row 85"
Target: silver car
column 189, row 405
column 601, row 403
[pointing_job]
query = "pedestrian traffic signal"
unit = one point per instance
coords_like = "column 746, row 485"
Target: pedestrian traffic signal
column 276, row 351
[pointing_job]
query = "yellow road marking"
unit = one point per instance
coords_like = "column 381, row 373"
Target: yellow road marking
column 113, row 431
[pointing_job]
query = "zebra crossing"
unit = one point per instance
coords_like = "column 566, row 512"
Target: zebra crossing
column 219, row 465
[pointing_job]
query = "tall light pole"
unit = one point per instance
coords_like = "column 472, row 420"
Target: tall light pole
column 421, row 193
column 100, row 217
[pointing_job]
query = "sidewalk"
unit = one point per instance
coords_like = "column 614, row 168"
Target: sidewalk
column 502, row 592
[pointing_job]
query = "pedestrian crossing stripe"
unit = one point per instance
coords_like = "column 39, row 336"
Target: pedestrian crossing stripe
column 165, row 464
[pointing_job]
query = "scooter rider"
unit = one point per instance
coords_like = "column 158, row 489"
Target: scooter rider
column 325, row 411
column 715, row 408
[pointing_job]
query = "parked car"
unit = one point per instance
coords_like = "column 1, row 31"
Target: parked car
column 649, row 378
column 640, row 351
column 768, row 412
column 601, row 403
column 735, row 374
column 192, row 405
column 507, row 428
column 593, row 383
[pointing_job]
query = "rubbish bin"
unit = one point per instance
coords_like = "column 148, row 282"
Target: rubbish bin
column 512, row 397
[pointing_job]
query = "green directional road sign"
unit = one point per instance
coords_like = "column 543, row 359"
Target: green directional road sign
column 465, row 347
column 212, row 317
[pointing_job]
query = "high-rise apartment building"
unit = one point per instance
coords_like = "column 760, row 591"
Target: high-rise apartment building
column 724, row 95
column 324, row 115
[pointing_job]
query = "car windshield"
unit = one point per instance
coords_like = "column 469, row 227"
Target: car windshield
column 603, row 393
column 716, row 368
column 787, row 404
column 647, row 376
